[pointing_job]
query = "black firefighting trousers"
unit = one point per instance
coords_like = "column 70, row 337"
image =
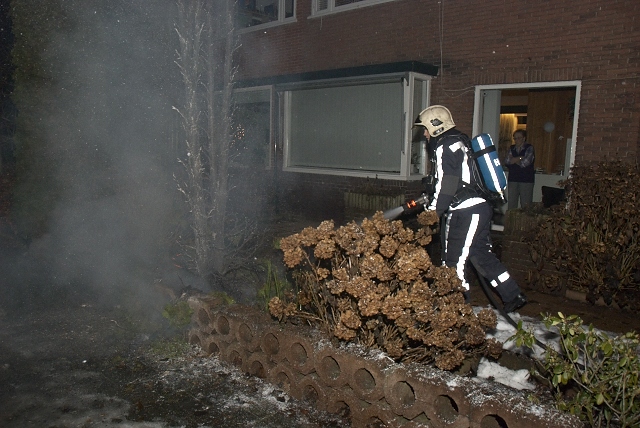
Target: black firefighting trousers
column 467, row 237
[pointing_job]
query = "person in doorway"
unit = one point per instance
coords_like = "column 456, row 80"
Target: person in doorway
column 467, row 216
column 522, row 174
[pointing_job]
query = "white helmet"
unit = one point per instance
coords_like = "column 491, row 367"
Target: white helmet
column 437, row 119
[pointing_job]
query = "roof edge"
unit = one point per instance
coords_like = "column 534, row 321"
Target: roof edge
column 339, row 73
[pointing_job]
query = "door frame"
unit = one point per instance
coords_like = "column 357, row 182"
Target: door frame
column 479, row 120
column 478, row 110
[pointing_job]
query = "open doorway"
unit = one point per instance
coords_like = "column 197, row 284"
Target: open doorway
column 548, row 111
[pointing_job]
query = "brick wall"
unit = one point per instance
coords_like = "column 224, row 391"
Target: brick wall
column 320, row 197
column 483, row 42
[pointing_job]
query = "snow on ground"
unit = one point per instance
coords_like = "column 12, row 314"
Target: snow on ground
column 518, row 379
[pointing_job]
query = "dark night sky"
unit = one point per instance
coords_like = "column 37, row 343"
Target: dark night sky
column 5, row 40
column 6, row 108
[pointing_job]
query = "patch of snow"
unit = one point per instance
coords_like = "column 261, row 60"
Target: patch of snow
column 518, row 379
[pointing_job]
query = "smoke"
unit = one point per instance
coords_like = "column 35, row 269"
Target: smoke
column 106, row 125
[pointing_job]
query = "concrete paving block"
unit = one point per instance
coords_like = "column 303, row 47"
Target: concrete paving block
column 333, row 366
column 258, row 364
column 310, row 390
column 284, row 377
column 366, row 377
column 299, row 352
column 272, row 343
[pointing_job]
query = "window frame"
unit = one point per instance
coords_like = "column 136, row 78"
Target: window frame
column 408, row 116
column 332, row 8
column 282, row 19
column 270, row 160
column 577, row 84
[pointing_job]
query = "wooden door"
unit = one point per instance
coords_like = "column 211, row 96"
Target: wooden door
column 549, row 124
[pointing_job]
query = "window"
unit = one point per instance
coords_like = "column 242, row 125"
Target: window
column 252, row 128
column 356, row 128
column 324, row 7
column 253, row 13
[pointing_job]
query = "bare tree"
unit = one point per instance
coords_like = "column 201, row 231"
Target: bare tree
column 207, row 43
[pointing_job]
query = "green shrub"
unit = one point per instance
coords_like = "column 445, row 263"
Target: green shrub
column 274, row 286
column 179, row 313
column 595, row 377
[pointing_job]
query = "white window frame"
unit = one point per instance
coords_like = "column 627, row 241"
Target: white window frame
column 332, row 8
column 408, row 115
column 282, row 19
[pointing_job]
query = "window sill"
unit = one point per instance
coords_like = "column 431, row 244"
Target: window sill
column 265, row 26
column 347, row 7
column 353, row 173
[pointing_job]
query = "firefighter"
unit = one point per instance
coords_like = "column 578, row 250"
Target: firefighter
column 466, row 231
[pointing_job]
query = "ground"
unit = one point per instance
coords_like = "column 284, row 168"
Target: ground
column 605, row 318
column 79, row 365
column 76, row 361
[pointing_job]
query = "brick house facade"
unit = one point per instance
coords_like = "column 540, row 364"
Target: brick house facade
column 472, row 43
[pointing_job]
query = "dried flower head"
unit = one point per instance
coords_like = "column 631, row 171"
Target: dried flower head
column 340, row 274
column 348, row 236
column 404, row 235
column 424, row 236
column 372, row 324
column 358, row 286
column 343, row 332
column 416, row 333
column 428, row 218
column 370, row 265
column 449, row 360
column 445, row 319
column 392, row 308
column 290, row 242
column 421, row 257
column 405, row 320
column 309, row 236
column 325, row 229
column 293, row 257
column 424, row 315
column 475, row 335
column 487, row 318
column 325, row 249
column 493, row 348
column 350, row 319
column 303, row 298
column 394, row 348
column 282, row 310
column 438, row 339
column 335, row 287
column 322, row 273
column 370, row 303
column 369, row 243
column 382, row 225
column 369, row 226
column 407, row 268
column 276, row 308
column 388, row 246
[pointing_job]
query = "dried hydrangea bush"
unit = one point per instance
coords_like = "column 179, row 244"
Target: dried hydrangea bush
column 374, row 283
column 593, row 241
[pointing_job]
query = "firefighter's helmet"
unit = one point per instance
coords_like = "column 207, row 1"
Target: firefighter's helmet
column 437, row 119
